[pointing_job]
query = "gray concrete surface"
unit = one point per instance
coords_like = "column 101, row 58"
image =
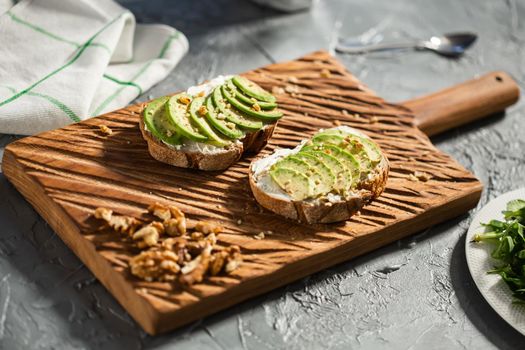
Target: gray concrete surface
column 49, row 300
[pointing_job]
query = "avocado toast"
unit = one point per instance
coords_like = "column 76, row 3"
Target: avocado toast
column 327, row 178
column 211, row 125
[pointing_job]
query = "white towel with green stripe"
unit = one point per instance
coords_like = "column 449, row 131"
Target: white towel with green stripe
column 62, row 61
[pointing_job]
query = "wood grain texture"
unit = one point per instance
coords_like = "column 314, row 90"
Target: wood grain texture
column 68, row 172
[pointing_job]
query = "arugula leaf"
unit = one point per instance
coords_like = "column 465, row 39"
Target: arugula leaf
column 509, row 247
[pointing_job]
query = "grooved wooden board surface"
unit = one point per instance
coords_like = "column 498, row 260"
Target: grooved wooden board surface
column 68, row 172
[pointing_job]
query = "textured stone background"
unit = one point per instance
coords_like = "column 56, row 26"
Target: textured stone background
column 414, row 294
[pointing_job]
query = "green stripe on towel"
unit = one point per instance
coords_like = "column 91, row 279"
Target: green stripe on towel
column 163, row 50
column 70, row 62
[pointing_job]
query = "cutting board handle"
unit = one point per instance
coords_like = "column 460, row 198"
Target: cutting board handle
column 463, row 103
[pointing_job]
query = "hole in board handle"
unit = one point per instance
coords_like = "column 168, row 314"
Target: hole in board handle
column 499, row 79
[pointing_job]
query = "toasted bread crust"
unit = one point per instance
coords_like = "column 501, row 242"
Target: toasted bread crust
column 323, row 211
column 252, row 142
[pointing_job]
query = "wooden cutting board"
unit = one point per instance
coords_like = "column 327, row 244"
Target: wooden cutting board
column 67, row 173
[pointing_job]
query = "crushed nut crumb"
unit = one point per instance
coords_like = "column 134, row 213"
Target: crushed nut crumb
column 256, row 107
column 291, row 88
column 325, row 73
column 373, row 120
column 105, row 129
column 259, row 236
column 277, row 90
column 202, row 111
column 344, row 111
column 337, row 122
column 419, row 176
column 184, row 100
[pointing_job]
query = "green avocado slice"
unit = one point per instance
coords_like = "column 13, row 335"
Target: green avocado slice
column 251, row 89
column 248, row 100
column 343, row 156
column 297, row 185
column 157, row 123
column 179, row 116
column 343, row 175
column 200, row 120
column 244, row 121
column 327, row 181
column 272, row 115
column 219, row 122
column 302, row 167
column 371, row 148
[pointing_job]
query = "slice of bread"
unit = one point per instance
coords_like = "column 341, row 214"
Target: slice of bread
column 206, row 157
column 325, row 209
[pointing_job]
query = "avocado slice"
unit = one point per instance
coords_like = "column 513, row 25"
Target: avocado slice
column 371, row 148
column 343, row 175
column 297, row 185
column 157, row 122
column 343, row 156
column 219, row 121
column 302, row 167
column 198, row 118
column 272, row 115
column 248, row 100
column 327, row 181
column 252, row 89
column 244, row 121
column 352, row 145
column 179, row 116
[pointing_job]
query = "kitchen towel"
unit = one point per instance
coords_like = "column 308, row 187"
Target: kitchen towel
column 62, row 61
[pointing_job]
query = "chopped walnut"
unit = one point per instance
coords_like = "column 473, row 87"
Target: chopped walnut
column 325, row 73
column 234, row 259
column 344, row 111
column 123, row 224
column 202, row 111
column 154, row 265
column 149, row 235
column 259, row 236
column 103, row 213
column 337, row 122
column 184, row 100
column 256, row 107
column 193, row 272
column 105, row 129
column 207, row 227
column 160, row 211
column 373, row 120
column 217, row 262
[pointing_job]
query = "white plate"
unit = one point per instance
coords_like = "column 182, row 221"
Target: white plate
column 479, row 261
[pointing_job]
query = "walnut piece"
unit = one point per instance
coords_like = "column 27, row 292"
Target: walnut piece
column 208, row 227
column 202, row 111
column 105, row 129
column 184, row 100
column 149, row 235
column 157, row 265
column 160, row 211
column 419, row 176
column 103, row 213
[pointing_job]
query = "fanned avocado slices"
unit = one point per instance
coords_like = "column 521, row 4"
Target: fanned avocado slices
column 371, row 149
column 302, row 167
column 349, row 143
column 157, row 122
column 297, row 185
column 252, row 89
column 272, row 115
column 327, row 181
column 245, row 122
column 343, row 175
column 179, row 115
column 198, row 116
column 248, row 100
column 219, row 121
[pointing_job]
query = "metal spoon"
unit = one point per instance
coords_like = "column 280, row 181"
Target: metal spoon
column 449, row 45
